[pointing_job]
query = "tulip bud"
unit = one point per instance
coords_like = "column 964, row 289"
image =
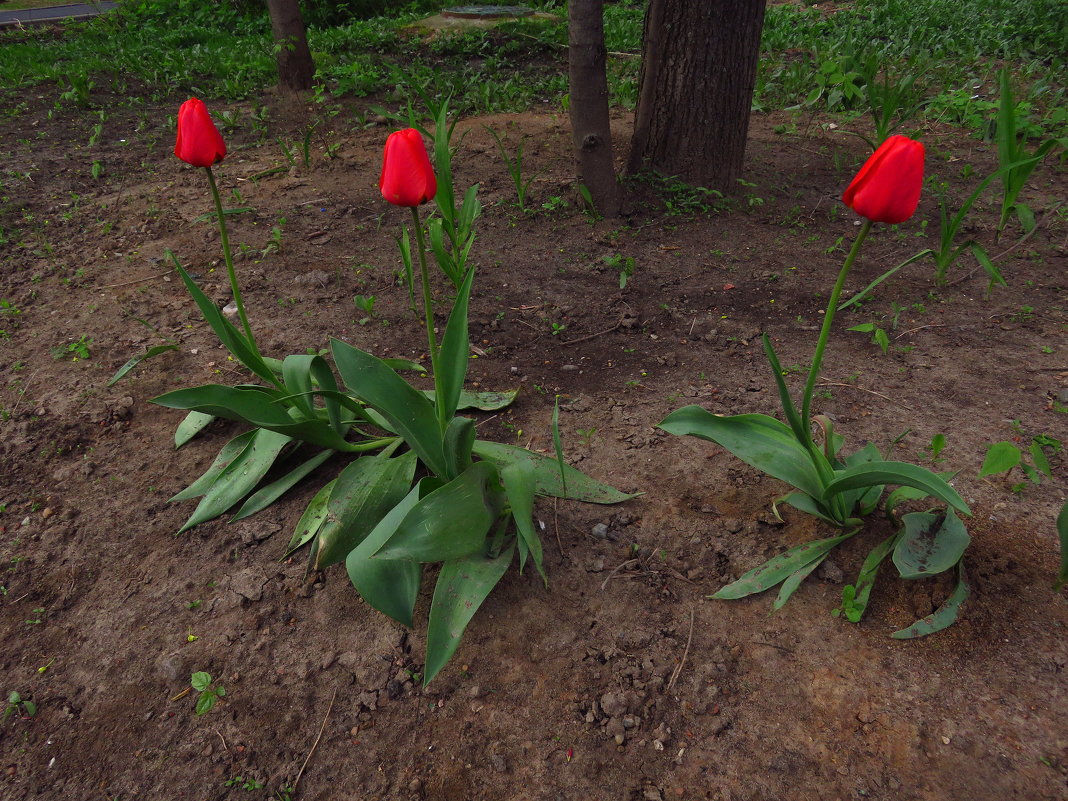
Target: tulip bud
column 199, row 142
column 887, row 188
column 407, row 177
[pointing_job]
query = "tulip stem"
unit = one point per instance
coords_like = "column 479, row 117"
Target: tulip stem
column 825, row 331
column 224, row 235
column 428, row 316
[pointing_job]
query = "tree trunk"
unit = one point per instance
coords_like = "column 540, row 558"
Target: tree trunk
column 696, row 89
column 295, row 68
column 588, row 88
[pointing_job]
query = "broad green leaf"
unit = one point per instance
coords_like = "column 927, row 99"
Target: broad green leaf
column 365, row 491
column 409, row 413
column 518, row 479
column 930, row 544
column 389, row 585
column 1001, row 457
column 779, row 568
column 205, row 702
column 1062, row 533
column 793, row 581
column 193, row 424
column 239, row 477
column 483, row 401
column 136, row 360
column 311, row 520
column 233, row 340
column 451, row 522
column 547, row 481
column 265, row 496
column 462, row 586
column 257, row 406
column 871, row 474
column 227, row 454
column 946, row 615
column 454, row 353
column 200, row 681
column 756, row 439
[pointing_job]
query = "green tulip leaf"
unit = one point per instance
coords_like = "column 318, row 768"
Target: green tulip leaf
column 547, row 479
column 193, row 424
column 454, row 354
column 408, row 413
column 365, row 491
column 780, row 567
column 230, row 451
column 389, row 585
column 311, row 520
column 239, row 477
column 451, row 522
column 462, row 586
column 855, row 597
column 869, row 474
column 483, row 401
column 459, row 437
column 233, row 340
column 257, row 406
column 793, row 416
column 804, row 503
column 793, row 581
column 930, row 544
column 136, row 360
column 756, row 439
column 518, row 479
column 946, row 615
column 265, row 496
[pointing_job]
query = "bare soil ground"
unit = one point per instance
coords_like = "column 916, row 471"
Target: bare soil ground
column 619, row 681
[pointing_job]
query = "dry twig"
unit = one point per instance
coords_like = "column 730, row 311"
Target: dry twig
column 315, row 745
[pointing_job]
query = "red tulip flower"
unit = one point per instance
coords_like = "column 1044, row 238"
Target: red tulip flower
column 407, row 177
column 199, row 141
column 887, row 188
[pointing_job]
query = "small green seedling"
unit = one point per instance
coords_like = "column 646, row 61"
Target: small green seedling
column 244, row 784
column 17, row 705
column 878, row 335
column 625, row 265
column 936, row 446
column 366, row 304
column 209, row 694
column 1002, row 457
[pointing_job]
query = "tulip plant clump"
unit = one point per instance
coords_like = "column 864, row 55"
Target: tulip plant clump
column 838, row 488
column 420, row 488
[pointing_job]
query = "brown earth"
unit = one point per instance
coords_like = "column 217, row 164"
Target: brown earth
column 105, row 613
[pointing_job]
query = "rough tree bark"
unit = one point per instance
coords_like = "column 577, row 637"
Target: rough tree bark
column 588, row 88
column 295, row 67
column 696, row 89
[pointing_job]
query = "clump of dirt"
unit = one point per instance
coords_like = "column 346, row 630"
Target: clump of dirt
column 620, row 680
